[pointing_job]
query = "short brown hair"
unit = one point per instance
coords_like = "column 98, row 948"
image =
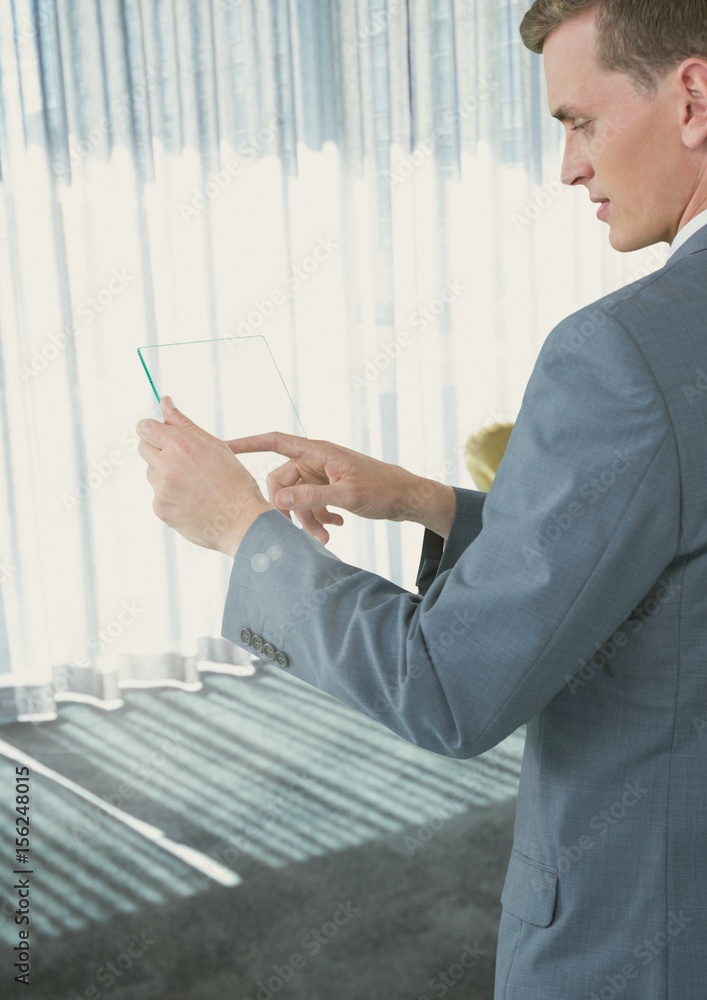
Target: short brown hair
column 642, row 38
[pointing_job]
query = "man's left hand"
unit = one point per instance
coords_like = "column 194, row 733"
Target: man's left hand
column 201, row 489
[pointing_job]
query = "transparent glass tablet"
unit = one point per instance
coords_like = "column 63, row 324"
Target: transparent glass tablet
column 232, row 387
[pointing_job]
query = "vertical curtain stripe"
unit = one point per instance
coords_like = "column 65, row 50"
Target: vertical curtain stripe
column 370, row 185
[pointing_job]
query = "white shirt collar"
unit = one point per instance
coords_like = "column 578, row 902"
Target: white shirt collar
column 687, row 231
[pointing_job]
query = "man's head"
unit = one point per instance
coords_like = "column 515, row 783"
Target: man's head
column 628, row 80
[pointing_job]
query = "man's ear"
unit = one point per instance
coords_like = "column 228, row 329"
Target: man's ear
column 692, row 81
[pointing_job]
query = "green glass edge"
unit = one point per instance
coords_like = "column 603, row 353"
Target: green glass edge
column 147, row 372
column 186, row 343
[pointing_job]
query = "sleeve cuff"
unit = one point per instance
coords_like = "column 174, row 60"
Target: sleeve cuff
column 438, row 555
column 432, row 549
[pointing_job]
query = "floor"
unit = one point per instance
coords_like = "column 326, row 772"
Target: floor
column 262, row 840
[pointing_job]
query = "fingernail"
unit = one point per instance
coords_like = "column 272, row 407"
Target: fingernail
column 286, row 499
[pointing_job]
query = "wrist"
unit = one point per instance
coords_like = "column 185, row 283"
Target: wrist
column 433, row 505
column 441, row 516
column 231, row 542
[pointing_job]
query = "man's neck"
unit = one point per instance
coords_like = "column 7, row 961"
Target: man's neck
column 689, row 228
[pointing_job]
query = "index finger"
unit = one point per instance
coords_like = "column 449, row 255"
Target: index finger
column 289, row 445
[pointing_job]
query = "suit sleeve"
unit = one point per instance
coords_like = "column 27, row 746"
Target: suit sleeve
column 438, row 556
column 581, row 520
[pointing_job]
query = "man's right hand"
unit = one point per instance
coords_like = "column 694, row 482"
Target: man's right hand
column 320, row 473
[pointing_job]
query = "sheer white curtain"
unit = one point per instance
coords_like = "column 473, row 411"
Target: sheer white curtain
column 370, row 185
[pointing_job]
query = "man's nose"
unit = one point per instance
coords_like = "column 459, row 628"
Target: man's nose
column 576, row 168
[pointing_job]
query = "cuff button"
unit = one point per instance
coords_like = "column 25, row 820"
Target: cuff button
column 282, row 659
column 246, row 636
column 257, row 643
column 269, row 651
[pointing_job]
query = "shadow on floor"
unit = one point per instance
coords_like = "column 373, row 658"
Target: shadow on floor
column 367, row 867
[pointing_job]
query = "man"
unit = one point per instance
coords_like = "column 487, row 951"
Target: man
column 573, row 597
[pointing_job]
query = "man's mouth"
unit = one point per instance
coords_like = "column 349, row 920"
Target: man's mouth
column 603, row 206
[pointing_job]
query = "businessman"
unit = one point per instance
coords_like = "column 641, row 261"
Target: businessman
column 572, row 597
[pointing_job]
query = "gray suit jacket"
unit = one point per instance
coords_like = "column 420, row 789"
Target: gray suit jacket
column 573, row 598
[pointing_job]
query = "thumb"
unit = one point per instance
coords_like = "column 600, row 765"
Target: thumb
column 172, row 415
column 308, row 496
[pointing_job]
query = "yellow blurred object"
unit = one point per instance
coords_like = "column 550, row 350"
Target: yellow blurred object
column 484, row 451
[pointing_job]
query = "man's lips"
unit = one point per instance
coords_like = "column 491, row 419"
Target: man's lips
column 603, row 204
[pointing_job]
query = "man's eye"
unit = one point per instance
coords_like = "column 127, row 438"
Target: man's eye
column 581, row 128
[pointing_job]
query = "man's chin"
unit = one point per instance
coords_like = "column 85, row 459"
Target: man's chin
column 620, row 244
column 625, row 242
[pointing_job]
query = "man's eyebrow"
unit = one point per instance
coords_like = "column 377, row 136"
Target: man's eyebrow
column 567, row 112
